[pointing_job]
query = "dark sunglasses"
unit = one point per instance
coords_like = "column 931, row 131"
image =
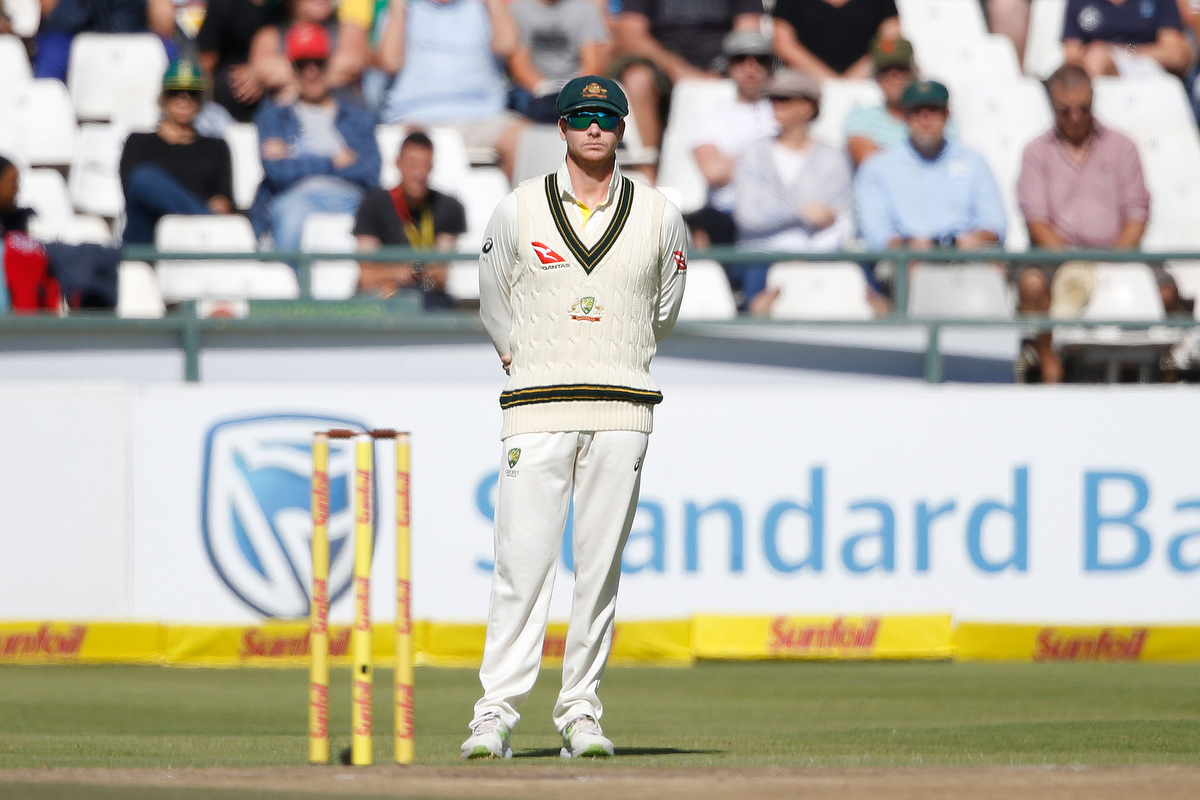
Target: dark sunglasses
column 302, row 64
column 1064, row 111
column 191, row 94
column 582, row 120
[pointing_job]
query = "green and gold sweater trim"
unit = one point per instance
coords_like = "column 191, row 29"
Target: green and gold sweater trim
column 588, row 258
column 578, row 392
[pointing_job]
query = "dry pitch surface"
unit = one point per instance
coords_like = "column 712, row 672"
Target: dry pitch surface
column 768, row 730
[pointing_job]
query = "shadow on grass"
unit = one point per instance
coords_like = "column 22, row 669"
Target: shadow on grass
column 623, row 751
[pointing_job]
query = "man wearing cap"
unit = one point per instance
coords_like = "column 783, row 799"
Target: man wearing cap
column 928, row 192
column 174, row 170
column 581, row 273
column 727, row 128
column 319, row 153
column 870, row 129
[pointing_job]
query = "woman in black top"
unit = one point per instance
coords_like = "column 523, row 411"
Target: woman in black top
column 174, row 170
column 832, row 38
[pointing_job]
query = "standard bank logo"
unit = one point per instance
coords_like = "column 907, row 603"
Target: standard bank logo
column 256, row 509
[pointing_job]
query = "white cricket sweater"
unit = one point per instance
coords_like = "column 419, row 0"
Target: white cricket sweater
column 580, row 308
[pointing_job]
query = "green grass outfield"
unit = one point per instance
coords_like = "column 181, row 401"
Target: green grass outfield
column 721, row 714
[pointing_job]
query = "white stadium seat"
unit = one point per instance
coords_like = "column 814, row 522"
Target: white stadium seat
column 959, row 61
column 937, row 22
column 117, row 76
column 450, row 162
column 95, row 178
column 45, row 191
column 25, row 15
column 331, row 233
column 14, row 61
column 77, row 229
column 1187, row 277
column 1043, row 47
column 540, row 150
column 838, row 99
column 138, row 295
column 958, row 291
column 691, row 100
column 242, row 139
column 1124, row 292
column 483, row 190
column 819, row 290
column 708, row 296
column 462, row 282
column 37, row 123
column 227, row 280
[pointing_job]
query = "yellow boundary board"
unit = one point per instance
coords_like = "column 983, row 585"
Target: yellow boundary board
column 668, row 642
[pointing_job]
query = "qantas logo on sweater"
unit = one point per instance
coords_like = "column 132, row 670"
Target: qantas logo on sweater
column 546, row 255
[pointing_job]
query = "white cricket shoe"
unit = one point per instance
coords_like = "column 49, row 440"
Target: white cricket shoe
column 582, row 738
column 488, row 739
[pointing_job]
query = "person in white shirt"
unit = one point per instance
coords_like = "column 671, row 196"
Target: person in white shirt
column 582, row 272
column 727, row 129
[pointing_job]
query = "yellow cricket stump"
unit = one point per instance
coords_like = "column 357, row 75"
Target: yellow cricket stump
column 403, row 688
column 360, row 635
column 318, row 636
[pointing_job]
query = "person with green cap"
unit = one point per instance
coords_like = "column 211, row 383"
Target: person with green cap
column 929, row 192
column 870, row 129
column 175, row 170
column 581, row 274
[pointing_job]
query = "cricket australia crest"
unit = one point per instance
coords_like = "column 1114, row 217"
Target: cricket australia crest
column 586, row 309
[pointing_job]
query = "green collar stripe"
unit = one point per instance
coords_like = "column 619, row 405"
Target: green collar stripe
column 589, row 258
column 578, row 392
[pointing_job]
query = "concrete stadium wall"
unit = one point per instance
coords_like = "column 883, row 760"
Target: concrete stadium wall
column 189, row 503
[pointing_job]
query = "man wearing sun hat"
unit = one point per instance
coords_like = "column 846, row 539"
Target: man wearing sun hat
column 174, row 170
column 581, row 273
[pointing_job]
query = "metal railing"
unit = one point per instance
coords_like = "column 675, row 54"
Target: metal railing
column 370, row 316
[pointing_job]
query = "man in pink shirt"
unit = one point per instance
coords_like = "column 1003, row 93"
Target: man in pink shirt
column 1081, row 186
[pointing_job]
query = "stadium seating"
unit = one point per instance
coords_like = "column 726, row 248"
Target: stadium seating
column 819, row 291
column 25, row 15
column 462, row 282
column 95, row 179
column 930, row 24
column 45, row 191
column 138, row 295
column 242, row 139
column 483, row 190
column 691, row 100
column 958, row 291
column 225, row 280
column 964, row 60
column 1124, row 292
column 14, row 62
column 539, row 151
column 117, row 76
column 1043, row 48
column 1187, row 277
column 331, row 233
column 838, row 99
column 708, row 296
column 37, row 123
column 76, row 229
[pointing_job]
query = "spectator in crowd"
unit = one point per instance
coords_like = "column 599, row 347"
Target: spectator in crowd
column 794, row 194
column 63, row 19
column 12, row 218
column 832, row 38
column 875, row 128
column 1130, row 38
column 560, row 40
column 413, row 215
column 447, row 55
column 929, row 192
column 223, row 48
column 319, row 153
column 1080, row 186
column 1010, row 18
column 174, row 170
column 727, row 129
column 659, row 43
column 349, row 55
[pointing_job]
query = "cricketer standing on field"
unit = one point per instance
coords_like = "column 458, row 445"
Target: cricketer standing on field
column 582, row 272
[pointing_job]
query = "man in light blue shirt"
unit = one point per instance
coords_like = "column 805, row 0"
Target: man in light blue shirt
column 928, row 192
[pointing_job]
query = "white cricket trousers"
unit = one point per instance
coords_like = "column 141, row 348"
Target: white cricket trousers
column 605, row 468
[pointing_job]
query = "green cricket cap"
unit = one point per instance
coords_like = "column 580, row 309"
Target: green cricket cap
column 925, row 94
column 889, row 53
column 592, row 93
column 183, row 73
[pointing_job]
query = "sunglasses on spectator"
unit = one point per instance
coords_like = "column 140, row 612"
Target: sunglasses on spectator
column 1063, row 111
column 582, row 120
column 766, row 61
column 191, row 94
column 302, row 64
